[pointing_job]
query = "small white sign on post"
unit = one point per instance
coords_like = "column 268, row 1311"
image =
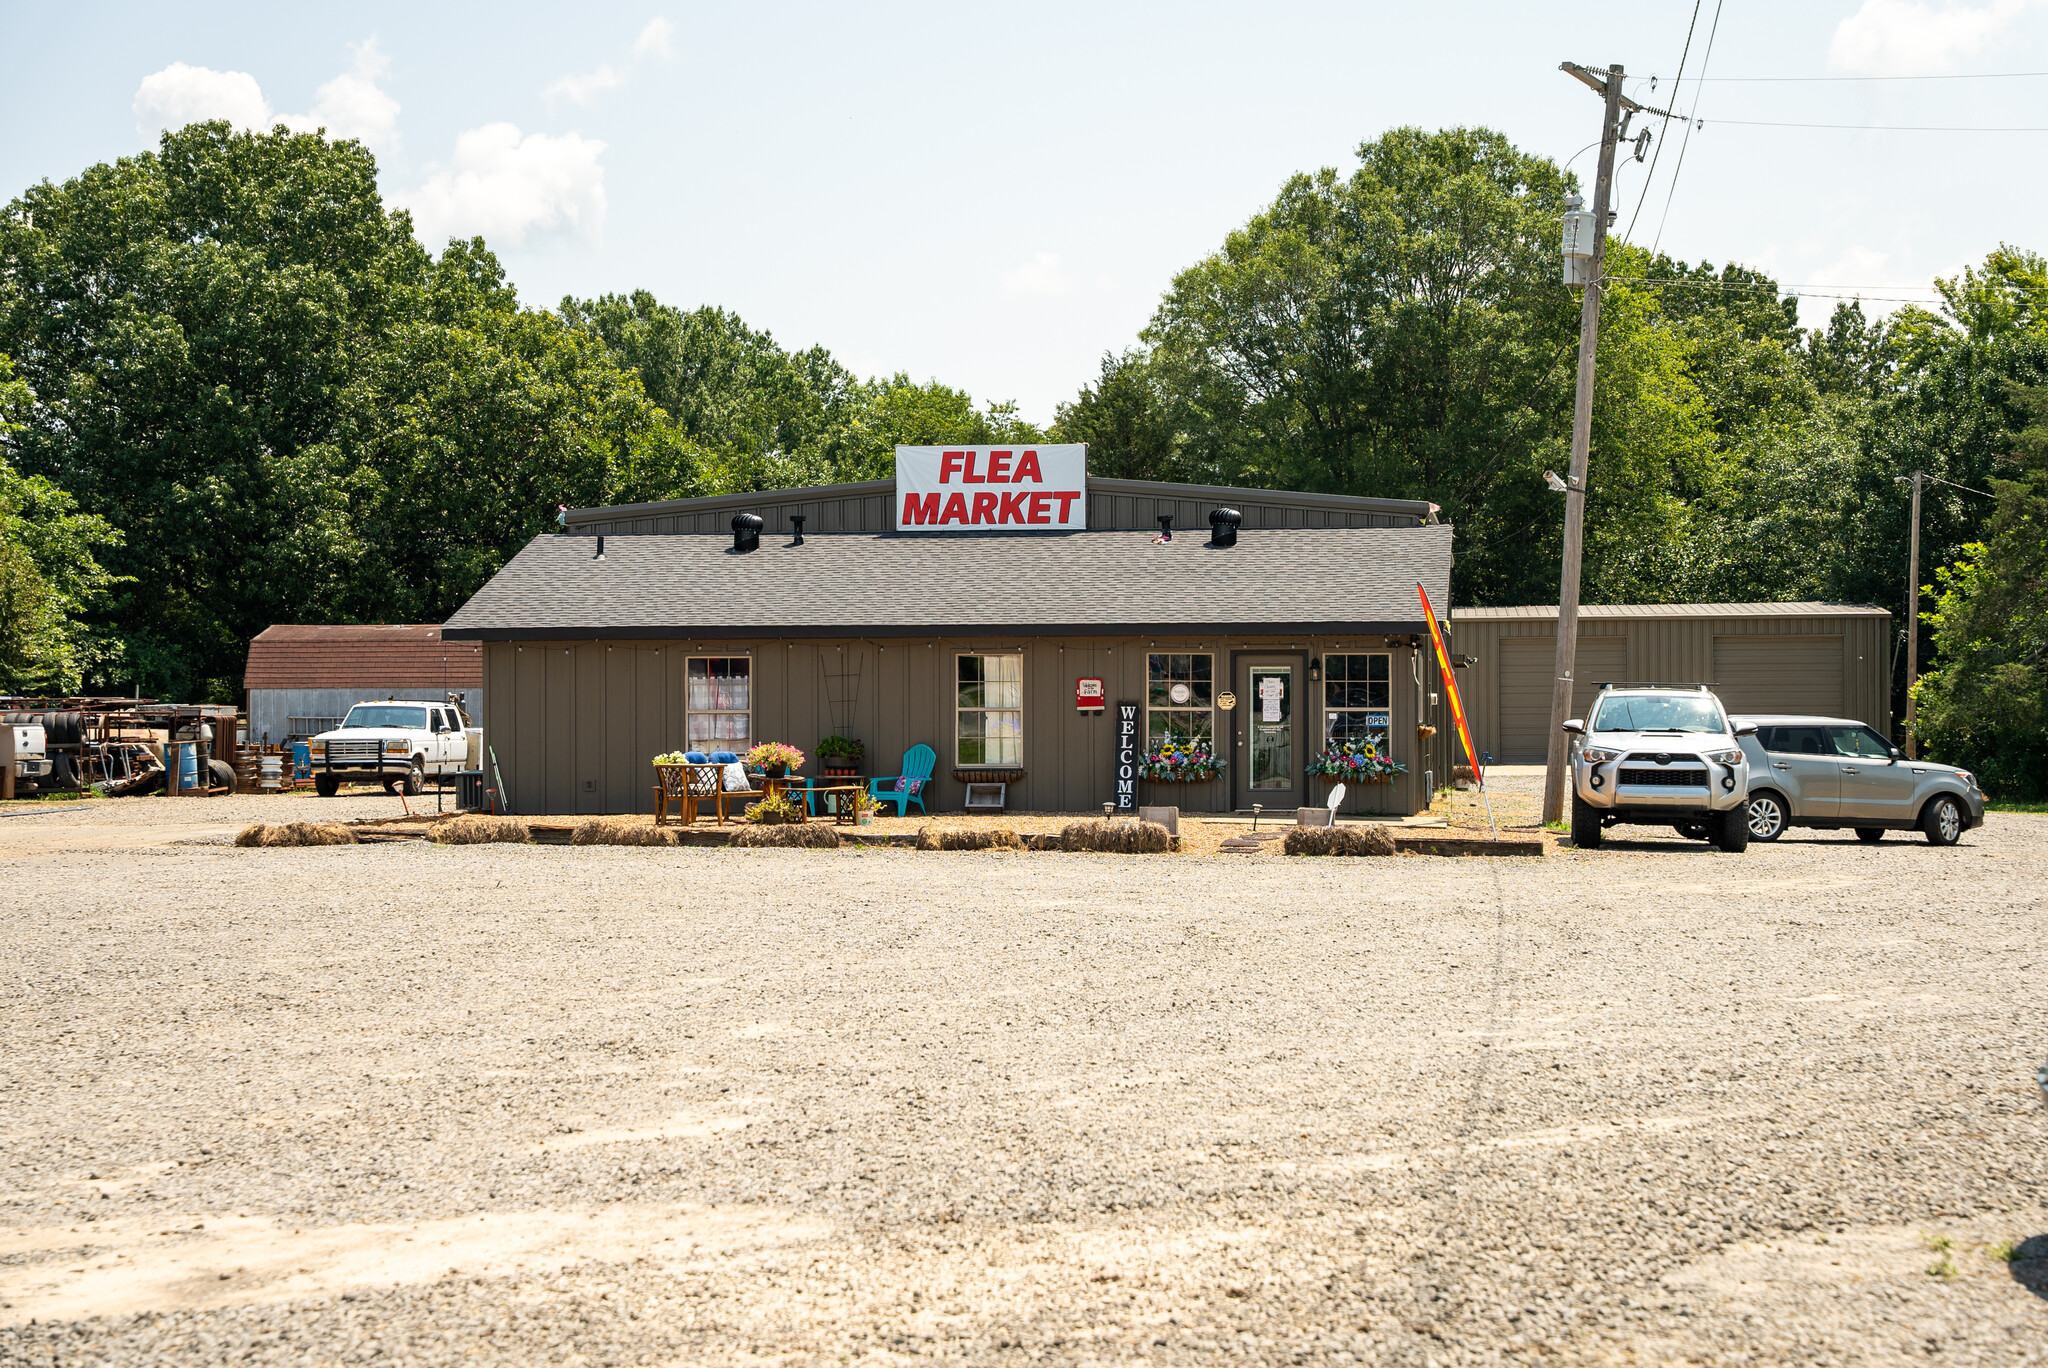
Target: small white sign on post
column 1040, row 488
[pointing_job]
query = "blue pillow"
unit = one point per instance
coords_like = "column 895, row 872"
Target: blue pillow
column 695, row 758
column 722, row 758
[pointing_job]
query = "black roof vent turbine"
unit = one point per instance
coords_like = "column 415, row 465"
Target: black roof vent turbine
column 1165, row 527
column 796, row 520
column 1223, row 526
column 746, row 531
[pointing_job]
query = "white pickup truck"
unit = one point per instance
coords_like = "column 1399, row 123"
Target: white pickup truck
column 397, row 743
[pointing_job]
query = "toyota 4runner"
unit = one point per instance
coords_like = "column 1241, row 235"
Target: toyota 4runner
column 1659, row 755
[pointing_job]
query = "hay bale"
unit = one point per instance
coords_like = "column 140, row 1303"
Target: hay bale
column 810, row 835
column 294, row 834
column 1339, row 840
column 478, row 829
column 618, row 831
column 969, row 838
column 1116, row 838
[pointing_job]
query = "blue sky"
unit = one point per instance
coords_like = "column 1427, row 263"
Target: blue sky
column 994, row 196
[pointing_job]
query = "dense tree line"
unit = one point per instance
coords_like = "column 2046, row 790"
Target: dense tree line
column 235, row 390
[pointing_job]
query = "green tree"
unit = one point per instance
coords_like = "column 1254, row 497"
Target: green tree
column 291, row 410
column 50, row 574
column 1986, row 705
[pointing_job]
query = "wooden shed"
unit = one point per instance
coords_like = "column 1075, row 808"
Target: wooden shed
column 1824, row 659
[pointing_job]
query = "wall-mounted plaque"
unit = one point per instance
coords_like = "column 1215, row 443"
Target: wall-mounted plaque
column 1226, row 701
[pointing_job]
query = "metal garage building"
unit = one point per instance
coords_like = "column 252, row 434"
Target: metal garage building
column 1825, row 658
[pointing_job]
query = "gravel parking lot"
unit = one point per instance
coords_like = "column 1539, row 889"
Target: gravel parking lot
column 1648, row 1104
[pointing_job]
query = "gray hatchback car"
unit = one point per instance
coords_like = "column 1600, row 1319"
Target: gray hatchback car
column 1833, row 772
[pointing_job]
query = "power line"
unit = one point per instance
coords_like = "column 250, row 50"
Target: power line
column 1676, row 82
column 1686, row 142
column 1966, row 76
column 1880, row 128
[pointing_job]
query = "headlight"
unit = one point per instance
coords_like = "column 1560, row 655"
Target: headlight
column 396, row 748
column 316, row 747
column 1726, row 757
column 1967, row 777
column 1594, row 756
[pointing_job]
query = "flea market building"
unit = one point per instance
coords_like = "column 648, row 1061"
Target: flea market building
column 1028, row 636
column 685, row 625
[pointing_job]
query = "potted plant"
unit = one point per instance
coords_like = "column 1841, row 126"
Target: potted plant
column 776, row 811
column 1356, row 762
column 775, row 759
column 1181, row 762
column 841, row 755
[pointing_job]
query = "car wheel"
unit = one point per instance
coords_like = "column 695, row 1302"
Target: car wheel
column 1730, row 830
column 1585, row 825
column 326, row 785
column 1942, row 821
column 1767, row 816
column 1870, row 835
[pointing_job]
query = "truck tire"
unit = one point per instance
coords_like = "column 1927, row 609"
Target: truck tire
column 1730, row 830
column 222, row 774
column 1585, row 825
column 326, row 785
column 1942, row 821
column 415, row 779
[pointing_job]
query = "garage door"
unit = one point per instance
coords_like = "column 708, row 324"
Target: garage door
column 1526, row 670
column 1779, row 674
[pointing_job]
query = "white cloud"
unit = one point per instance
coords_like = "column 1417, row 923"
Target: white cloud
column 580, row 89
column 352, row 105
column 1904, row 37
column 510, row 188
column 654, row 39
column 180, row 94
column 1042, row 275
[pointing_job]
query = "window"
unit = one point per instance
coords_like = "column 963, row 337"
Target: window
column 991, row 710
column 1358, row 701
column 1178, row 700
column 720, row 703
column 1658, row 712
column 387, row 715
column 1859, row 743
column 1793, row 740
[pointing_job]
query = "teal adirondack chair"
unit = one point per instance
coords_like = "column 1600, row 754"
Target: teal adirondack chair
column 916, row 778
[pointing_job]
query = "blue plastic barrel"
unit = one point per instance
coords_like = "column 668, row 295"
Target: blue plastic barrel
column 302, row 760
column 188, row 764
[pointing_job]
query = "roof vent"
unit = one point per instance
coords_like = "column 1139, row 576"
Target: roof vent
column 796, row 520
column 600, row 547
column 1165, row 527
column 1223, row 526
column 746, row 531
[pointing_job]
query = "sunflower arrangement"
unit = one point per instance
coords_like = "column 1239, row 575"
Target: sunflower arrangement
column 1180, row 762
column 1356, row 762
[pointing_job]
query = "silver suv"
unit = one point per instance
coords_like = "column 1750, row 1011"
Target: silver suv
column 1659, row 755
column 1834, row 772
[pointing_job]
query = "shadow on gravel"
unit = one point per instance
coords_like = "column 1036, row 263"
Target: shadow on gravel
column 2029, row 1265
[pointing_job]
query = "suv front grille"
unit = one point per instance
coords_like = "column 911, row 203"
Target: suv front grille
column 353, row 752
column 1665, row 777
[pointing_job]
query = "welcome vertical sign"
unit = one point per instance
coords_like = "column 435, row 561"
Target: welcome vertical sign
column 1126, row 757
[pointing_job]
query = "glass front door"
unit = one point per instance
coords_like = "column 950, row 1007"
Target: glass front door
column 1269, row 716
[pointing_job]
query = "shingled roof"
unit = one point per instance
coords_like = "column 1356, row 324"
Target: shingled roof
column 1302, row 579
column 394, row 656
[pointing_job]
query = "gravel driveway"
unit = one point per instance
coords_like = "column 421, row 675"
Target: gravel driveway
column 524, row 1105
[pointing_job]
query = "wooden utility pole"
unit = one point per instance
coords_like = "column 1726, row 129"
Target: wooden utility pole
column 1556, row 775
column 1913, row 615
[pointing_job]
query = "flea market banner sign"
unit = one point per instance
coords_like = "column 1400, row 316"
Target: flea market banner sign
column 943, row 489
